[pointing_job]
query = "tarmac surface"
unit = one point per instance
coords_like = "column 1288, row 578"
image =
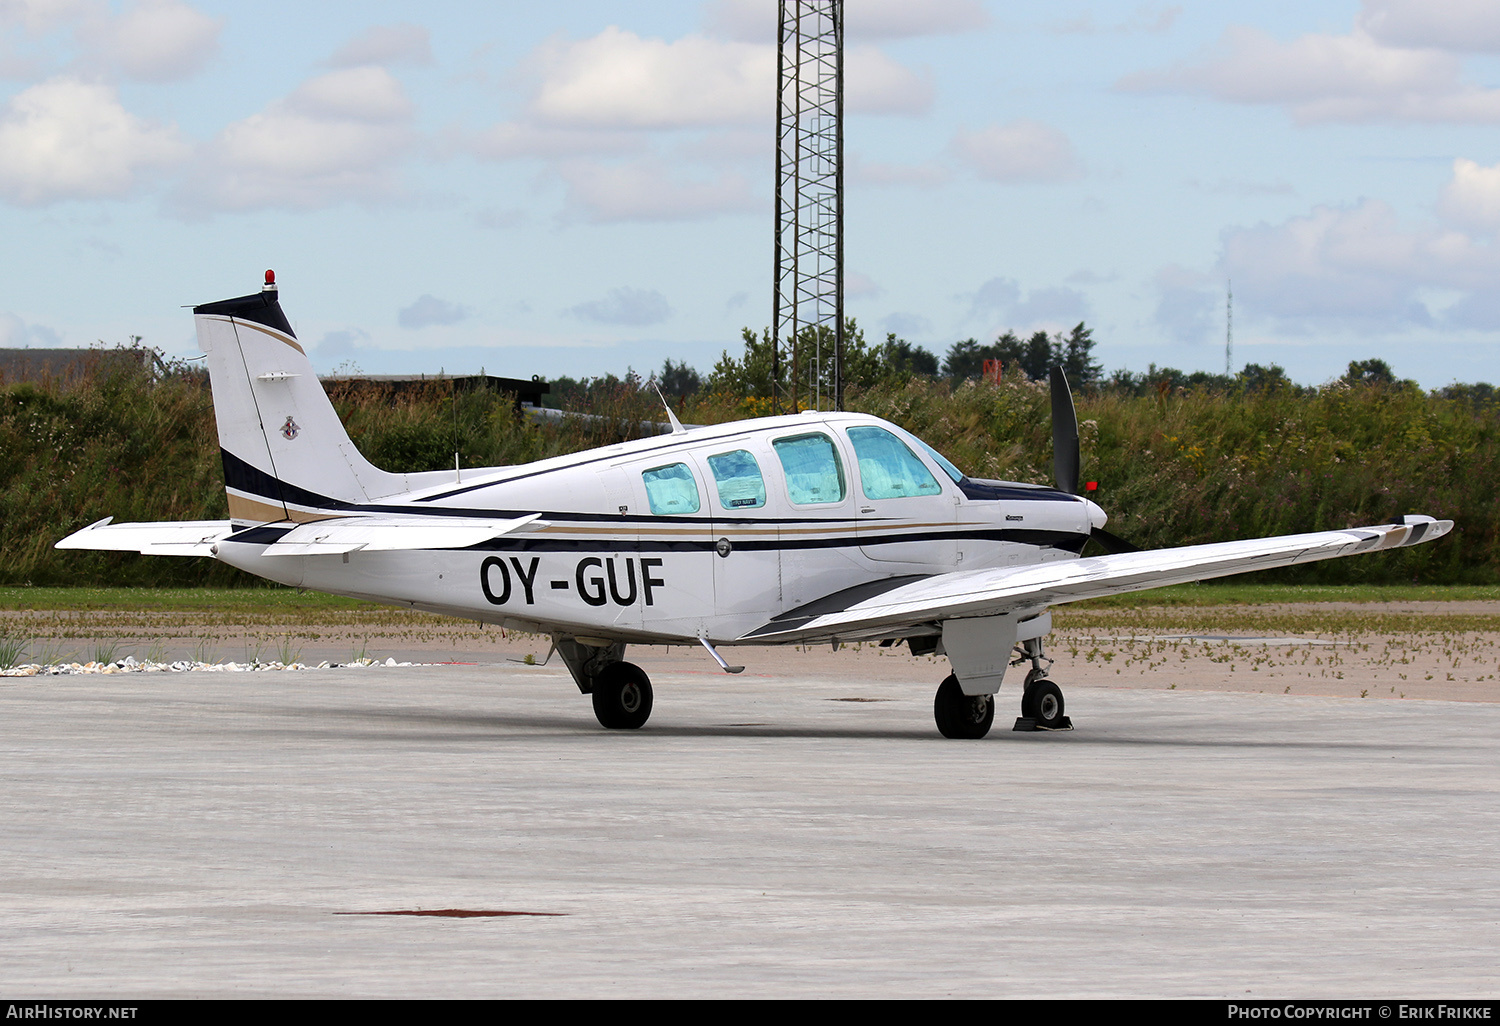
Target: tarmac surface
column 241, row 835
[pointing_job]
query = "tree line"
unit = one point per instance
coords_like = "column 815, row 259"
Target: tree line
column 807, row 365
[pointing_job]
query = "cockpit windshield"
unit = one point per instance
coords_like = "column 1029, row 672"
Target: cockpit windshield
column 937, row 457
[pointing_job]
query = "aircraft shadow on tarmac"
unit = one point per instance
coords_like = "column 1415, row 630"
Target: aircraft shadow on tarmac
column 406, row 723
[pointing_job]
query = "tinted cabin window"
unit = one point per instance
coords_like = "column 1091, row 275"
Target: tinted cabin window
column 887, row 468
column 738, row 477
column 813, row 471
column 671, row 490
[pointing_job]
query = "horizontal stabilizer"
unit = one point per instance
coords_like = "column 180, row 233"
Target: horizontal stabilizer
column 1030, row 589
column 391, row 533
column 179, row 538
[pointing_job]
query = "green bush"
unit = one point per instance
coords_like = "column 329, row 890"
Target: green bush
column 1175, row 468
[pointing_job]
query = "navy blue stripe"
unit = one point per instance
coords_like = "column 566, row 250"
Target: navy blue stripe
column 509, row 543
column 246, row 478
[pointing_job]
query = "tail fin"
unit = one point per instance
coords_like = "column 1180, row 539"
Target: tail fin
column 286, row 454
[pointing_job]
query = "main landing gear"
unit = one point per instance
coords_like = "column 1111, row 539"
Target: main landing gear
column 969, row 717
column 622, row 696
column 621, row 691
column 960, row 716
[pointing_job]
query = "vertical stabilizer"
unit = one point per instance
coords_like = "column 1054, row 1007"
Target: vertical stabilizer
column 286, row 454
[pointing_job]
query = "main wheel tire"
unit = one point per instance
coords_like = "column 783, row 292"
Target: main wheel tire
column 1043, row 702
column 622, row 697
column 960, row 716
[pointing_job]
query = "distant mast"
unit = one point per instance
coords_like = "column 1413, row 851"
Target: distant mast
column 1229, row 328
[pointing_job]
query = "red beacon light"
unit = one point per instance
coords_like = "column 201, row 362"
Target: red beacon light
column 270, row 285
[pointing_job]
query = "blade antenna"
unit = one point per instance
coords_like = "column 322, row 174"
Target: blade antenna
column 677, row 428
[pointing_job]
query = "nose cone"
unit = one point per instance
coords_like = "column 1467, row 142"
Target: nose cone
column 1097, row 517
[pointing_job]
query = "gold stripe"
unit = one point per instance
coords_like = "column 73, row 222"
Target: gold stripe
column 242, row 508
column 304, row 517
column 278, row 336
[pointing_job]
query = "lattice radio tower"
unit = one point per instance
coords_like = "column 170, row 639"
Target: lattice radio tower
column 807, row 316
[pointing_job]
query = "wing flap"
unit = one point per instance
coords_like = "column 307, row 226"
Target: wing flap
column 178, row 538
column 390, row 533
column 1030, row 589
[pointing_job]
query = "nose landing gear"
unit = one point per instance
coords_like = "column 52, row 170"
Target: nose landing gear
column 1041, row 700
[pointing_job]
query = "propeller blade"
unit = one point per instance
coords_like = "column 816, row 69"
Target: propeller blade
column 1112, row 543
column 1065, row 457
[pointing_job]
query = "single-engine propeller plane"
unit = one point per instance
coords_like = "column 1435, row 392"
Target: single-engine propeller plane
column 810, row 528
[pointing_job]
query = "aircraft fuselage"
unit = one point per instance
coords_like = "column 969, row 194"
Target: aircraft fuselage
column 700, row 534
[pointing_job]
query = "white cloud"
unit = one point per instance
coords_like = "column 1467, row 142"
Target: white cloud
column 428, row 311
column 1463, row 25
column 1320, row 78
column 1020, row 151
column 902, row 19
column 17, row 334
column 648, row 191
column 1356, row 266
column 756, row 20
column 637, row 308
column 337, row 137
column 876, row 84
column 1186, row 305
column 1000, row 300
column 385, row 44
column 1472, row 198
column 343, row 343
column 155, row 40
column 369, row 94
column 618, row 79
column 906, row 325
column 69, row 139
column 38, row 16
column 861, row 286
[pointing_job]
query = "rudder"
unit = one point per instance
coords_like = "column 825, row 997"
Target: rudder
column 286, row 453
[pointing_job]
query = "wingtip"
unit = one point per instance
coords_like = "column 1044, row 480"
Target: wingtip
column 63, row 543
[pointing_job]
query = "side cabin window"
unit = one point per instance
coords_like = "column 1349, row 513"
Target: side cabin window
column 738, row 478
column 887, row 468
column 671, row 489
column 814, row 473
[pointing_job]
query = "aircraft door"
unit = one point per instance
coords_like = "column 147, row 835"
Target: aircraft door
column 669, row 578
column 818, row 551
column 746, row 563
column 906, row 518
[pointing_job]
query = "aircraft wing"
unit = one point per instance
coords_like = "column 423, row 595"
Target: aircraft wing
column 321, row 537
column 1027, row 590
column 390, row 533
column 178, row 538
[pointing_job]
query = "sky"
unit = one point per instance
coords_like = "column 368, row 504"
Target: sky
column 584, row 188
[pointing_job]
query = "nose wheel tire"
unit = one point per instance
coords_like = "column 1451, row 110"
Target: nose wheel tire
column 960, row 716
column 622, row 697
column 1043, row 702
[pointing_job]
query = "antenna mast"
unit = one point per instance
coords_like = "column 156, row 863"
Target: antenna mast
column 1228, row 327
column 807, row 304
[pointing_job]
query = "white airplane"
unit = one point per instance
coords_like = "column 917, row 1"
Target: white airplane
column 812, row 528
